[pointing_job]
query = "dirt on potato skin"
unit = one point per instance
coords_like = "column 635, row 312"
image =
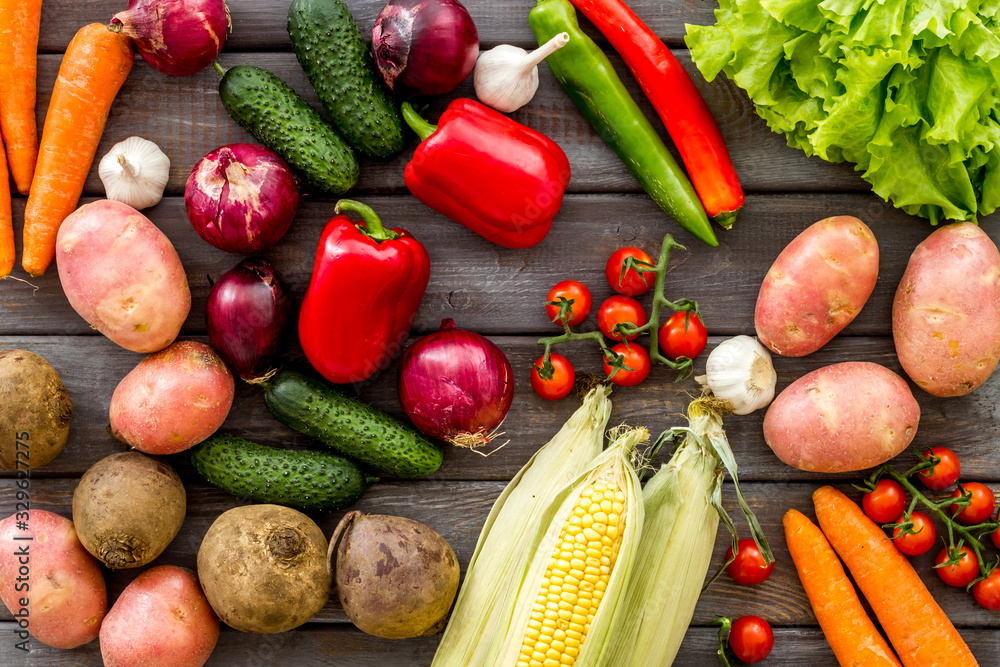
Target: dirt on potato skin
column 263, row 568
column 35, row 411
column 127, row 509
column 396, row 577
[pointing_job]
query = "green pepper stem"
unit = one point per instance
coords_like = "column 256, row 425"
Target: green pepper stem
column 218, row 68
column 373, row 225
column 421, row 127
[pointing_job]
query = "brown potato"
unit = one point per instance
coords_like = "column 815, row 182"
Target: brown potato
column 127, row 508
column 396, row 577
column 946, row 314
column 35, row 411
column 264, row 569
column 816, row 286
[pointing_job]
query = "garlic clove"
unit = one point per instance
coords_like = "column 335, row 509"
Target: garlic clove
column 739, row 371
column 506, row 77
column 135, row 172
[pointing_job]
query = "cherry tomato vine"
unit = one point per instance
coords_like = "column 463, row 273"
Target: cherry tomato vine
column 614, row 360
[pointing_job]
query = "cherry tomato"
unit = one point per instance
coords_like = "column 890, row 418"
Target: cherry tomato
column 617, row 309
column 748, row 568
column 561, row 382
column 886, row 502
column 981, row 504
column 960, row 574
column 751, row 639
column 636, row 358
column 570, row 289
column 921, row 541
column 987, row 591
column 679, row 339
column 632, row 283
column 943, row 474
column 996, row 538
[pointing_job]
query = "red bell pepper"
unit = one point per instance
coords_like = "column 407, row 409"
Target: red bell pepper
column 366, row 287
column 497, row 177
column 678, row 103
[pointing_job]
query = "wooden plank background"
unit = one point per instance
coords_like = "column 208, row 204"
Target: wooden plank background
column 498, row 292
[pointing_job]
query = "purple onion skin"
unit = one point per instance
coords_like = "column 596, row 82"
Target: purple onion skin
column 241, row 198
column 424, row 47
column 176, row 37
column 455, row 385
column 248, row 310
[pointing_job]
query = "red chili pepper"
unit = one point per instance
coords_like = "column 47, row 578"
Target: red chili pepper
column 497, row 177
column 678, row 103
column 366, row 287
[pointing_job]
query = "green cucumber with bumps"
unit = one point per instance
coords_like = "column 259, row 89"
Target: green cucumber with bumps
column 266, row 107
column 350, row 426
column 339, row 65
column 295, row 478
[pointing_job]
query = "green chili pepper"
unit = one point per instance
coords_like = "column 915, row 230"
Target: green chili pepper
column 586, row 74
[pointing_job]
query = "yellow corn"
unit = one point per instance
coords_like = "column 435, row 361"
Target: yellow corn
column 485, row 605
column 575, row 586
column 575, row 579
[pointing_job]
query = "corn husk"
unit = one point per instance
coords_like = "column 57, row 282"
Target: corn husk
column 617, row 462
column 683, row 507
column 485, row 602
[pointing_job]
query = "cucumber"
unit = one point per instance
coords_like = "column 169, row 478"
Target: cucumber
column 294, row 478
column 335, row 57
column 264, row 105
column 351, row 427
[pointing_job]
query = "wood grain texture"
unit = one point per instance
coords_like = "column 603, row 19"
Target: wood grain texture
column 313, row 646
column 186, row 119
column 92, row 366
column 457, row 510
column 495, row 290
column 259, row 25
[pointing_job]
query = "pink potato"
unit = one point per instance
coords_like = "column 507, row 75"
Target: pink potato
column 50, row 583
column 173, row 399
column 844, row 417
column 122, row 275
column 816, row 286
column 946, row 314
column 161, row 619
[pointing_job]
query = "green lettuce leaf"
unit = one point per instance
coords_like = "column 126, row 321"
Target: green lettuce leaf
column 907, row 90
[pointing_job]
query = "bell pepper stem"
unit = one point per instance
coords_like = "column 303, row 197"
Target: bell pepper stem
column 421, row 127
column 373, row 225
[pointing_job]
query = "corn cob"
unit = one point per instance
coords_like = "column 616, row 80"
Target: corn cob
column 485, row 602
column 575, row 586
column 683, row 506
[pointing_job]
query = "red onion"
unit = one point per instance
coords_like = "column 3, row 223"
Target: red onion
column 247, row 311
column 456, row 385
column 176, row 37
column 424, row 47
column 241, row 198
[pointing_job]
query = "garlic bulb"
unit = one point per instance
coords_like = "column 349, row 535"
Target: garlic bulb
column 506, row 77
column 739, row 371
column 135, row 172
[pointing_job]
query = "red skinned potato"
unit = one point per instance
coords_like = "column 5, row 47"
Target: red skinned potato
column 67, row 598
column 816, row 286
column 173, row 399
column 946, row 314
column 162, row 618
column 122, row 275
column 844, row 417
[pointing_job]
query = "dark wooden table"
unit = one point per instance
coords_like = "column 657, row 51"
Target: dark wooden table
column 497, row 292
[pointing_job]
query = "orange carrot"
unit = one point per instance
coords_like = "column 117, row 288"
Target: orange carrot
column 6, row 220
column 919, row 630
column 93, row 70
column 18, row 67
column 850, row 633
